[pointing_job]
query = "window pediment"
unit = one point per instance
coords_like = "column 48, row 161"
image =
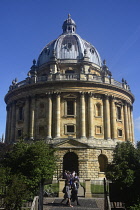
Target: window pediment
column 71, row 96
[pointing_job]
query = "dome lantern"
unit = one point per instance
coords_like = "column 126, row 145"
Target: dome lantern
column 69, row 26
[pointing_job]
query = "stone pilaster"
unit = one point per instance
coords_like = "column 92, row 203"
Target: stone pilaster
column 82, row 115
column 57, row 131
column 90, row 115
column 107, row 117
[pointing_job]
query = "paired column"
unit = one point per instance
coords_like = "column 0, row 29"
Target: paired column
column 132, row 123
column 26, row 117
column 107, row 117
column 32, row 118
column 129, row 123
column 13, row 122
column 7, row 124
column 82, row 115
column 126, row 122
column 90, row 115
column 57, row 131
column 49, row 136
column 113, row 118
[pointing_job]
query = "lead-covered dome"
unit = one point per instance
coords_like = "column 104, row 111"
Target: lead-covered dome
column 69, row 46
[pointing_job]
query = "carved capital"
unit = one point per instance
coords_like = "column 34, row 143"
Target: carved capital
column 91, row 94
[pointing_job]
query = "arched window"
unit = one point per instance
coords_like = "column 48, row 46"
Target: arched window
column 98, row 110
column 102, row 162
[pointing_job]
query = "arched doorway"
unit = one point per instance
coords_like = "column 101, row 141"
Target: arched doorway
column 70, row 162
column 102, row 162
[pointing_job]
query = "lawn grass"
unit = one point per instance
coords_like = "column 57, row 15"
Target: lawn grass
column 52, row 188
column 95, row 189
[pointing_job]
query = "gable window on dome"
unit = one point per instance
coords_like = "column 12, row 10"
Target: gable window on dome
column 69, row 46
column 47, row 51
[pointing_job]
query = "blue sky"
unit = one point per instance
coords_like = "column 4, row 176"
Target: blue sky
column 112, row 26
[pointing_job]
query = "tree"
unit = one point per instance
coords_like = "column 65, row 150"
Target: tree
column 125, row 171
column 34, row 162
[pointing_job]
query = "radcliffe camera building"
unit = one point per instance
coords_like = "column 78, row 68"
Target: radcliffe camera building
column 71, row 100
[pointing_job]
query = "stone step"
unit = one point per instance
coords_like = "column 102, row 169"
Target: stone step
column 54, row 204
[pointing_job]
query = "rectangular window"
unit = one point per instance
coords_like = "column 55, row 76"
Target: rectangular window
column 119, row 132
column 20, row 113
column 70, row 107
column 98, row 129
column 70, row 129
column 118, row 112
column 19, row 133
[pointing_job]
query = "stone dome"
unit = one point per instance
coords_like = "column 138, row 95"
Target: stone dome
column 69, row 46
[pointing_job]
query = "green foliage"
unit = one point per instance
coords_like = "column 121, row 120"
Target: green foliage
column 135, row 207
column 29, row 164
column 125, row 171
column 16, row 192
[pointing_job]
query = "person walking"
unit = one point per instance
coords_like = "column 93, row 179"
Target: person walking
column 74, row 192
column 67, row 195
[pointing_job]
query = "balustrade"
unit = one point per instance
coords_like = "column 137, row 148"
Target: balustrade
column 68, row 77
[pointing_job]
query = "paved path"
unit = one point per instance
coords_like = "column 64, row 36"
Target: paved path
column 85, row 204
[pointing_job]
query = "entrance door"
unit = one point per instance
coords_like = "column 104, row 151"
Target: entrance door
column 70, row 162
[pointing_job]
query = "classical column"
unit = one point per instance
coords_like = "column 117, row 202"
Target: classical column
column 132, row 123
column 113, row 118
column 126, row 122
column 49, row 136
column 13, row 122
column 107, row 117
column 57, row 132
column 82, row 115
column 90, row 115
column 129, row 123
column 7, row 124
column 26, row 117
column 32, row 116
